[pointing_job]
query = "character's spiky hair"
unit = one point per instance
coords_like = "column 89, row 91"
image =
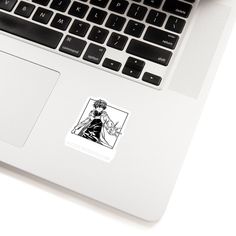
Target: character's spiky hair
column 100, row 103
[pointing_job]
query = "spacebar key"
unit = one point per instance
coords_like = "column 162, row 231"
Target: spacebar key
column 149, row 52
column 30, row 31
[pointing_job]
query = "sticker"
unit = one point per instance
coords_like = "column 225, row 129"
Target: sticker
column 98, row 129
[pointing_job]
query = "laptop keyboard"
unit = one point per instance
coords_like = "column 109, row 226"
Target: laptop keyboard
column 134, row 39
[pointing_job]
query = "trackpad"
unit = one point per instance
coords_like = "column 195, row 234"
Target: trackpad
column 24, row 89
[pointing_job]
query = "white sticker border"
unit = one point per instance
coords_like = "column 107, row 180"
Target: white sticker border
column 94, row 149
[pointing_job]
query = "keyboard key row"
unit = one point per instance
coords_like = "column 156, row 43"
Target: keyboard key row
column 133, row 68
column 97, row 16
column 99, row 35
column 120, row 6
column 94, row 53
column 114, row 21
column 74, row 46
column 51, row 38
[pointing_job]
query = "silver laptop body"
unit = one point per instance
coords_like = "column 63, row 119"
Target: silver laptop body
column 102, row 96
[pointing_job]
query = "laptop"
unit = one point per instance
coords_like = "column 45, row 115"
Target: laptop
column 102, row 96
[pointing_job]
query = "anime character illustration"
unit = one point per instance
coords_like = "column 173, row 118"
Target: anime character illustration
column 98, row 125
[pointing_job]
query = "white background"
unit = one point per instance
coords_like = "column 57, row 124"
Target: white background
column 203, row 202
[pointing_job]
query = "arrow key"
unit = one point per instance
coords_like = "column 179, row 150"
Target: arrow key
column 152, row 79
column 131, row 72
column 133, row 67
column 111, row 64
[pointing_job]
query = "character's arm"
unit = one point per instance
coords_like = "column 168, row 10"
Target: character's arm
column 110, row 126
column 83, row 123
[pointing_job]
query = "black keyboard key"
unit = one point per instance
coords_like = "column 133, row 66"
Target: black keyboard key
column 156, row 18
column 111, row 64
column 7, row 5
column 60, row 21
column 24, row 9
column 134, row 28
column 41, row 2
column 115, row 22
column 79, row 28
column 119, row 6
column 131, row 72
column 78, row 9
column 98, row 34
column 29, row 30
column 152, row 79
column 94, row 53
column 99, row 3
column 133, row 67
column 135, row 63
column 153, row 3
column 96, row 16
column 175, row 24
column 60, row 5
column 137, row 12
column 73, row 46
column 42, row 15
column 177, row 7
column 160, row 37
column 149, row 52
column 117, row 41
